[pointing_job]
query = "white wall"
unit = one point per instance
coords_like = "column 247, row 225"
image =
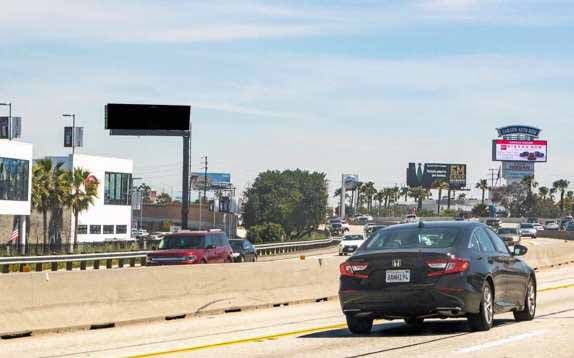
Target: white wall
column 23, row 151
column 100, row 214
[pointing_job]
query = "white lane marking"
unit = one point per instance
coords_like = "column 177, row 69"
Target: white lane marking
column 500, row 342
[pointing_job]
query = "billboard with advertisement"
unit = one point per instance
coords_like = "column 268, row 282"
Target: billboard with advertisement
column 425, row 176
column 214, row 181
column 350, row 181
column 517, row 170
column 504, row 150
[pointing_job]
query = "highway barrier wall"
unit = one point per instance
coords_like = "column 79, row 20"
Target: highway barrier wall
column 52, row 301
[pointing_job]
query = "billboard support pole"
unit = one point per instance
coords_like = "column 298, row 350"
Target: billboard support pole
column 185, row 182
column 342, row 207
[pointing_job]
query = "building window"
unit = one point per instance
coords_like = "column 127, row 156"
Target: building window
column 121, row 229
column 108, row 229
column 82, row 229
column 95, row 229
column 14, row 179
column 117, row 187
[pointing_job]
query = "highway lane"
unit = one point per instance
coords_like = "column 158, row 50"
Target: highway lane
column 311, row 330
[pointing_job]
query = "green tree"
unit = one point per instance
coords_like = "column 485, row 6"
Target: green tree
column 440, row 185
column 482, row 185
column 379, row 198
column 163, row 199
column 145, row 192
column 49, row 188
column 480, row 210
column 419, row 194
column 83, row 192
column 513, row 198
column 561, row 186
column 294, row 199
column 543, row 192
column 405, row 192
column 369, row 192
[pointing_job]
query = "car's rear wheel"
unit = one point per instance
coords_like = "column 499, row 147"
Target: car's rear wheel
column 413, row 322
column 529, row 311
column 359, row 325
column 483, row 320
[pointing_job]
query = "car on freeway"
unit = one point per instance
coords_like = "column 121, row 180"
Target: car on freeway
column 192, row 247
column 551, row 225
column 369, row 229
column 527, row 229
column 493, row 223
column 538, row 227
column 509, row 235
column 243, row 250
column 411, row 218
column 338, row 226
column 350, row 243
column 436, row 270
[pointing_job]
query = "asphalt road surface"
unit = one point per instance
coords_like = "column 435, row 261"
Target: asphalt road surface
column 318, row 330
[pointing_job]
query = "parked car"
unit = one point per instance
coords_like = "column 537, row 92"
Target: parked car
column 493, row 223
column 139, row 233
column 551, row 225
column 538, row 227
column 372, row 228
column 509, row 235
column 243, row 250
column 435, row 270
column 192, row 247
column 527, row 229
column 564, row 221
column 411, row 218
column 532, row 220
column 569, row 226
column 363, row 219
column 350, row 243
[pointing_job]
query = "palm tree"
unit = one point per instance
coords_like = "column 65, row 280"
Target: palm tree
column 58, row 197
column 379, row 197
column 482, row 185
column 543, row 192
column 83, row 192
column 41, row 184
column 440, row 185
column 419, row 194
column 370, row 191
column 405, row 192
column 561, row 185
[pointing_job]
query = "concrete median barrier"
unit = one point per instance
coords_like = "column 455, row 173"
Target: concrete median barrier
column 53, row 301
column 80, row 299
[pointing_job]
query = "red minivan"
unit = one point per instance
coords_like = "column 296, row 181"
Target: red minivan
column 192, row 247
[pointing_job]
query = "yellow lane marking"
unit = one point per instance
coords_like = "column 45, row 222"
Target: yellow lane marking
column 239, row 341
column 556, row 288
column 275, row 336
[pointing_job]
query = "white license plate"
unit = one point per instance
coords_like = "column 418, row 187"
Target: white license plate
column 398, row 276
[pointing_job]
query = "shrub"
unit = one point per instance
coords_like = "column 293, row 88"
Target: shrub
column 263, row 233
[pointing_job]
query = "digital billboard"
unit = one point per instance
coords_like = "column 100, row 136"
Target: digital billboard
column 146, row 117
column 517, row 170
column 214, row 181
column 519, row 150
column 426, row 176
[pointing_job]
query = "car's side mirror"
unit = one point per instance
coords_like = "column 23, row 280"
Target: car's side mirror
column 519, row 250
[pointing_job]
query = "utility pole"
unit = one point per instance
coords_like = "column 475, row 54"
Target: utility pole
column 204, row 190
column 185, row 180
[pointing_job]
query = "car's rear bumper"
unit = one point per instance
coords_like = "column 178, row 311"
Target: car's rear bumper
column 450, row 297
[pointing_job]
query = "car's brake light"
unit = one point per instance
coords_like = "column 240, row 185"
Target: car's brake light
column 448, row 266
column 351, row 269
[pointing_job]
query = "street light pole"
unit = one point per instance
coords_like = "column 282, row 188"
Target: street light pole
column 73, row 115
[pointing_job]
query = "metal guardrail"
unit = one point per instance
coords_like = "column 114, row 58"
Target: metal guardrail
column 131, row 258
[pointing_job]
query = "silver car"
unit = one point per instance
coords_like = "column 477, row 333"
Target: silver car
column 528, row 230
column 510, row 235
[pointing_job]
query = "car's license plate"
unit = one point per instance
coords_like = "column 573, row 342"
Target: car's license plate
column 398, row 276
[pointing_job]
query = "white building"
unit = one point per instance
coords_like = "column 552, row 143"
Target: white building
column 110, row 216
column 15, row 177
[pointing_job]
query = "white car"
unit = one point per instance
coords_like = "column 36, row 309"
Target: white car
column 364, row 218
column 337, row 225
column 527, row 229
column 411, row 218
column 552, row 226
column 350, row 243
column 538, row 227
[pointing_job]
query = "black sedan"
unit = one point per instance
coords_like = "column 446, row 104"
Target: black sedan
column 243, row 250
column 436, row 270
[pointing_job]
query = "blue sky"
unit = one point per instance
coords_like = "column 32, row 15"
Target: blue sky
column 334, row 86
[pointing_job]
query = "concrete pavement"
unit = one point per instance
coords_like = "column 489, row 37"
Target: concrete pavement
column 318, row 329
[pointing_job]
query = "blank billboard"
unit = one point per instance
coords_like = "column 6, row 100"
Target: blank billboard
column 147, row 117
column 520, row 150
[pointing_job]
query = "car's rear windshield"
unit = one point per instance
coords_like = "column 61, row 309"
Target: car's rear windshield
column 527, row 226
column 352, row 237
column 507, row 231
column 236, row 245
column 413, row 238
column 181, row 242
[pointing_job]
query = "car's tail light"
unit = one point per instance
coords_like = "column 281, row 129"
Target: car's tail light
column 447, row 266
column 353, row 269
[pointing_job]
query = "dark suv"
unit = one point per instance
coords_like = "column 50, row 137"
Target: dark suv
column 192, row 247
